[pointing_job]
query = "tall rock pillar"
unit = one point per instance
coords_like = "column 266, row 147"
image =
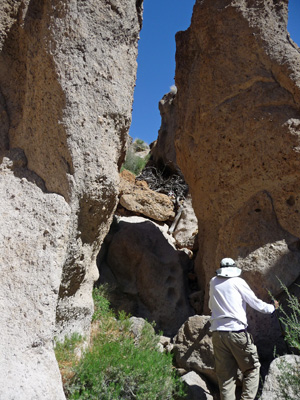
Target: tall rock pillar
column 67, row 75
column 238, row 138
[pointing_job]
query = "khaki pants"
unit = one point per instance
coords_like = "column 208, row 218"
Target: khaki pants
column 233, row 350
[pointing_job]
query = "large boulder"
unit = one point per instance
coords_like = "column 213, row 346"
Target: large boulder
column 67, row 75
column 237, row 138
column 146, row 274
column 136, row 196
column 193, row 347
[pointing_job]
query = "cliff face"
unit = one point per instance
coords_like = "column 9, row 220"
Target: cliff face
column 237, row 138
column 163, row 154
column 67, row 74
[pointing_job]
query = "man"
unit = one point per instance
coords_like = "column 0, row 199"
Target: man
column 233, row 345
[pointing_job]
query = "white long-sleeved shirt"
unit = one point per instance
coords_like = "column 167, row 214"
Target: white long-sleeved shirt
column 227, row 302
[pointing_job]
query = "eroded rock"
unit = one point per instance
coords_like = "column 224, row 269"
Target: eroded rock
column 67, row 74
column 281, row 381
column 34, row 233
column 163, row 153
column 135, row 196
column 237, row 138
column 196, row 387
column 146, row 272
column 193, row 347
column 186, row 230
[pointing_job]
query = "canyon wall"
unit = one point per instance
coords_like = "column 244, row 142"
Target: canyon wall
column 67, row 74
column 237, row 140
column 163, row 154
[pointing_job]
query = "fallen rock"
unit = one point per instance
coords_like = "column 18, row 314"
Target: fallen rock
column 137, row 327
column 193, row 348
column 166, row 344
column 196, row 387
column 138, row 198
column 186, row 230
column 147, row 273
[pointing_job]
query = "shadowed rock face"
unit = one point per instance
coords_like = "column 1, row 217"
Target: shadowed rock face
column 67, row 73
column 237, row 138
column 147, row 276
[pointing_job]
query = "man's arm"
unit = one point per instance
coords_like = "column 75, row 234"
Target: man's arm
column 250, row 298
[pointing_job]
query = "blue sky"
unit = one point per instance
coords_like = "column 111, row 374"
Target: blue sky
column 156, row 59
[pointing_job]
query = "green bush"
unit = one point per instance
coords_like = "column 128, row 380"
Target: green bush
column 65, row 351
column 134, row 163
column 139, row 145
column 121, row 370
column 289, row 318
column 116, row 367
column 66, row 357
column 101, row 303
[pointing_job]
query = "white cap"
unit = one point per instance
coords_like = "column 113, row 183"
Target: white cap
column 227, row 262
column 228, row 268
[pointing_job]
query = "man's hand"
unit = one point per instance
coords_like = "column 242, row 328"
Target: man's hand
column 276, row 304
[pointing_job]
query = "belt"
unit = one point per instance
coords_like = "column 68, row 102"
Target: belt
column 241, row 330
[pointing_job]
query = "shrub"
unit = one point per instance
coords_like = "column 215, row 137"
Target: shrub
column 116, row 367
column 139, row 145
column 289, row 318
column 66, row 357
column 101, row 303
column 134, row 163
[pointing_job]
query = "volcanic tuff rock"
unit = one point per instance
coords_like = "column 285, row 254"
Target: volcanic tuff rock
column 196, row 387
column 146, row 274
column 193, row 347
column 136, row 196
column 280, row 382
column 67, row 74
column 185, row 232
column 163, row 153
column 237, row 138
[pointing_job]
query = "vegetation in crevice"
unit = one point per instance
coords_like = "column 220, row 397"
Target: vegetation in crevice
column 116, row 365
column 134, row 162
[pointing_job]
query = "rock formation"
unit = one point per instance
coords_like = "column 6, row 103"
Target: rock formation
column 147, row 276
column 193, row 347
column 196, row 387
column 186, row 230
column 282, row 380
column 67, row 73
column 237, row 139
column 135, row 196
column 163, row 153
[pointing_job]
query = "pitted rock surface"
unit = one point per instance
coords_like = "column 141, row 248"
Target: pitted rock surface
column 237, row 138
column 193, row 347
column 136, row 196
column 67, row 75
column 146, row 274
